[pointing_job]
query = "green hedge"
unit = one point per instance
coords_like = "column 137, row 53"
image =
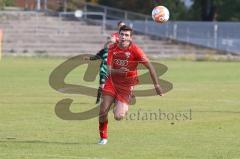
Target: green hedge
column 4, row 3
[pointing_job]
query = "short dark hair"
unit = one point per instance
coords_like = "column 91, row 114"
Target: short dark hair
column 126, row 28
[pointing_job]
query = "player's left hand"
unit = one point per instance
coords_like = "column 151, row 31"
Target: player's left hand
column 159, row 90
column 86, row 58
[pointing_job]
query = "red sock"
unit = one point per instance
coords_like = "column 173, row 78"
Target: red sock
column 103, row 129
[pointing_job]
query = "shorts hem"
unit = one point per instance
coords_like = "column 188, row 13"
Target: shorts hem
column 108, row 93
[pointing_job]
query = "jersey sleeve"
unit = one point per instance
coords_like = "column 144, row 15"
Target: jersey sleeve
column 140, row 55
column 101, row 53
column 115, row 36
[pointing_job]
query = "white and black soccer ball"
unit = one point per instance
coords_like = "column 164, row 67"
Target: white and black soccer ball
column 160, row 14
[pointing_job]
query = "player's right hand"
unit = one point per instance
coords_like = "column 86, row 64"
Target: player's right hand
column 159, row 90
column 86, row 58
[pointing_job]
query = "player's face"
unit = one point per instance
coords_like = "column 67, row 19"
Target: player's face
column 125, row 38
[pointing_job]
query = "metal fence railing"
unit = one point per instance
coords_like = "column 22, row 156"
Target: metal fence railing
column 223, row 36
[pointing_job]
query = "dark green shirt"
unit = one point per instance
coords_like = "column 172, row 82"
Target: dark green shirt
column 102, row 54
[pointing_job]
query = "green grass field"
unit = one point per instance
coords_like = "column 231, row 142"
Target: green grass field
column 30, row 129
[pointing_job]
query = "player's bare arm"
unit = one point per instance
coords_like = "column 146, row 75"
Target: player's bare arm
column 92, row 58
column 154, row 77
column 95, row 57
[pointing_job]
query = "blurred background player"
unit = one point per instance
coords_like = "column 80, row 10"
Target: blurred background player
column 102, row 54
column 123, row 59
column 103, row 72
column 114, row 38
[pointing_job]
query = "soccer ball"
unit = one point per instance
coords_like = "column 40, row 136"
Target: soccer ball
column 78, row 14
column 160, row 14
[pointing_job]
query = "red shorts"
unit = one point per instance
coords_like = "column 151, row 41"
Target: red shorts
column 119, row 92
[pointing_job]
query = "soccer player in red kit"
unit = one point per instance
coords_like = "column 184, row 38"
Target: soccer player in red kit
column 102, row 54
column 123, row 59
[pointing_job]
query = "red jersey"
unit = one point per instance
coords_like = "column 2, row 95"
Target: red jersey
column 128, row 58
column 115, row 36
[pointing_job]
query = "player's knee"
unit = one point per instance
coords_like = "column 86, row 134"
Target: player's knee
column 118, row 116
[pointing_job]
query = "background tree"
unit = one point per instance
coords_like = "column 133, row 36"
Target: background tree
column 4, row 3
column 215, row 10
column 229, row 11
column 206, row 10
